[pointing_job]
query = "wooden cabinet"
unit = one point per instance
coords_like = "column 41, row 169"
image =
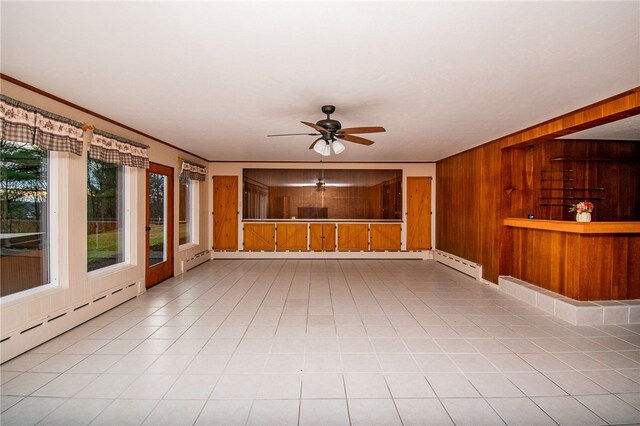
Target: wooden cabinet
column 353, row 236
column 225, row 212
column 419, row 213
column 385, row 236
column 291, row 236
column 259, row 236
column 322, row 236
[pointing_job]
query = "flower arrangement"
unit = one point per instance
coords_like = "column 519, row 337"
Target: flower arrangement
column 582, row 207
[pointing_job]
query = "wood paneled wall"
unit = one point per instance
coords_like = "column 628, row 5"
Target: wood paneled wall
column 546, row 178
column 468, row 207
column 470, row 192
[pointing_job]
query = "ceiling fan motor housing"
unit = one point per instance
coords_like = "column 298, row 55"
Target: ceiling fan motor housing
column 332, row 126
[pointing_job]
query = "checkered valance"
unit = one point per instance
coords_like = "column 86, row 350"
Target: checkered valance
column 28, row 124
column 114, row 149
column 192, row 171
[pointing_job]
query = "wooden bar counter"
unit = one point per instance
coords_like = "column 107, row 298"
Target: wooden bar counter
column 583, row 261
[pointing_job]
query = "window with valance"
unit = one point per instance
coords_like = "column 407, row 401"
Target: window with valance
column 192, row 171
column 24, row 123
column 117, row 150
column 190, row 174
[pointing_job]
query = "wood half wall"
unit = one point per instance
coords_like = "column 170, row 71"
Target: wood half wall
column 470, row 203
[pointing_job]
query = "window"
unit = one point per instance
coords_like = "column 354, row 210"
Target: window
column 347, row 194
column 105, row 214
column 24, row 217
column 185, row 211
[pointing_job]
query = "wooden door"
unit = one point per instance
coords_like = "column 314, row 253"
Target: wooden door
column 385, row 236
column 419, row 213
column 291, row 236
column 225, row 212
column 322, row 237
column 159, row 224
column 353, row 236
column 329, row 237
column 259, row 236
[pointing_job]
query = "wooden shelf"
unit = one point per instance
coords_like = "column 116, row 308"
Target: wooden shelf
column 622, row 160
column 575, row 227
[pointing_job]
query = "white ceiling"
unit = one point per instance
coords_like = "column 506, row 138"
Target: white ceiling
column 216, row 77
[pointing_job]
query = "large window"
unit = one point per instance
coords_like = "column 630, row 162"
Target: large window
column 24, row 218
column 105, row 214
column 348, row 194
column 185, row 211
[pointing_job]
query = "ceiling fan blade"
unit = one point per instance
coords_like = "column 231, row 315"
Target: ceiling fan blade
column 354, row 130
column 315, row 142
column 295, row 134
column 315, row 126
column 356, row 139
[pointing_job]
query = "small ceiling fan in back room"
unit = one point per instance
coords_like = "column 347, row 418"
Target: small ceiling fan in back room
column 331, row 134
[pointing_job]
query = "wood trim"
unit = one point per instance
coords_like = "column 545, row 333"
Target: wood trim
column 623, row 105
column 617, row 107
column 575, row 227
column 95, row 114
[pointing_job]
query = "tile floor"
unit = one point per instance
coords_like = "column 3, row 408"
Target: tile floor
column 360, row 342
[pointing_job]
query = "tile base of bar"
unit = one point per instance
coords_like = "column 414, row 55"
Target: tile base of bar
column 575, row 312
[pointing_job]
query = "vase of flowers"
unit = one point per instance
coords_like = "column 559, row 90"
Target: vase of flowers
column 583, row 211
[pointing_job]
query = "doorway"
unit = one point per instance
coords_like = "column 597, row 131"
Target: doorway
column 159, row 224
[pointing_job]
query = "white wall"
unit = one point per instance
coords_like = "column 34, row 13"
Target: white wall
column 75, row 287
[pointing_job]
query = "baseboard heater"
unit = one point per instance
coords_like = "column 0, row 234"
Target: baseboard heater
column 38, row 332
column 195, row 260
column 472, row 269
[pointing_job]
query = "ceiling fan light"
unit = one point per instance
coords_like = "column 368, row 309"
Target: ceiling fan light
column 326, row 150
column 338, row 147
column 319, row 147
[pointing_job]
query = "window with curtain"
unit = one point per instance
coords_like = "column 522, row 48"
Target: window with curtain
column 190, row 174
column 106, row 193
column 105, row 214
column 184, row 211
column 27, row 134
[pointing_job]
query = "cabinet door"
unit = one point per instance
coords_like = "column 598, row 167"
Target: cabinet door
column 353, row 237
column 418, row 213
column 385, row 236
column 329, row 237
column 291, row 236
column 322, row 236
column 316, row 238
column 259, row 236
column 225, row 212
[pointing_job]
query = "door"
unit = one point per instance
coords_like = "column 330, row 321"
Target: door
column 159, row 224
column 225, row 212
column 419, row 213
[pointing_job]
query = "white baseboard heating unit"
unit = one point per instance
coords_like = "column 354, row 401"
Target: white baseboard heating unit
column 472, row 269
column 196, row 260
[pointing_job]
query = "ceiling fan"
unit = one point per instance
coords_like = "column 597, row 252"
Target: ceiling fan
column 331, row 133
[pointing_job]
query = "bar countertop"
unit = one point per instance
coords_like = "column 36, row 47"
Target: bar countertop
column 575, row 227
